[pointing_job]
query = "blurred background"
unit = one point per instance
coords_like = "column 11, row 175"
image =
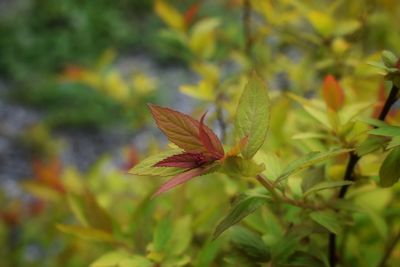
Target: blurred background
column 75, row 77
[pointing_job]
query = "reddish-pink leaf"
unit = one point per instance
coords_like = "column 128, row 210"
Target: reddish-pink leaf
column 191, row 13
column 184, row 160
column 182, row 129
column 332, row 93
column 214, row 147
column 180, row 179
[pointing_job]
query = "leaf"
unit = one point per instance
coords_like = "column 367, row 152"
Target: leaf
column 250, row 244
column 389, row 172
column 395, row 142
column 88, row 233
column 183, row 178
column 371, row 144
column 328, row 219
column 181, row 235
column 313, row 109
column 191, row 12
column 202, row 41
column 327, row 185
column 96, row 215
column 183, row 130
column 253, row 116
column 161, row 235
column 146, row 166
column 241, row 208
column 184, row 160
column 346, row 27
column 121, row 258
column 208, row 141
column 169, row 15
column 309, row 160
column 332, row 93
column 386, row 131
column 208, row 253
column 322, row 22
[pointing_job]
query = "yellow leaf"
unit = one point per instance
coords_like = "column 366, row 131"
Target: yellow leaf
column 208, row 71
column 169, row 15
column 115, row 86
column 143, row 83
column 322, row 22
column 203, row 91
column 202, row 39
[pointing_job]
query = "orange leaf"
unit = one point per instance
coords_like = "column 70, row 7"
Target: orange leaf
column 238, row 147
column 332, row 93
column 183, row 130
column 191, row 13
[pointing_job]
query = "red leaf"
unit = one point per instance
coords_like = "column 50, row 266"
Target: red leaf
column 214, row 147
column 180, row 179
column 191, row 13
column 182, row 130
column 332, row 93
column 184, row 160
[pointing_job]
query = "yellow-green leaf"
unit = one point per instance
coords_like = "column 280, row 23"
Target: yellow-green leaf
column 328, row 219
column 145, row 167
column 389, row 172
column 242, row 207
column 169, row 15
column 309, row 160
column 121, row 258
column 253, row 116
column 88, row 233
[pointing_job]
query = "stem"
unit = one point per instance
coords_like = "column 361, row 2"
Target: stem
column 348, row 176
column 389, row 249
column 283, row 198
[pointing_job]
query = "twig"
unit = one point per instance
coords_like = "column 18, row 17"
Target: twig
column 348, row 176
column 283, row 198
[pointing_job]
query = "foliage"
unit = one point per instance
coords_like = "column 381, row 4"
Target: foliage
column 299, row 164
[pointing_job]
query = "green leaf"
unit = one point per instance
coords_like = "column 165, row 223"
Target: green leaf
column 162, row 235
column 181, row 236
column 309, row 160
column 250, row 244
column 386, row 131
column 389, row 172
column 395, row 142
column 208, row 253
column 328, row 219
column 242, row 207
column 371, row 144
column 88, row 233
column 145, row 167
column 327, row 185
column 121, row 259
column 253, row 115
column 95, row 214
